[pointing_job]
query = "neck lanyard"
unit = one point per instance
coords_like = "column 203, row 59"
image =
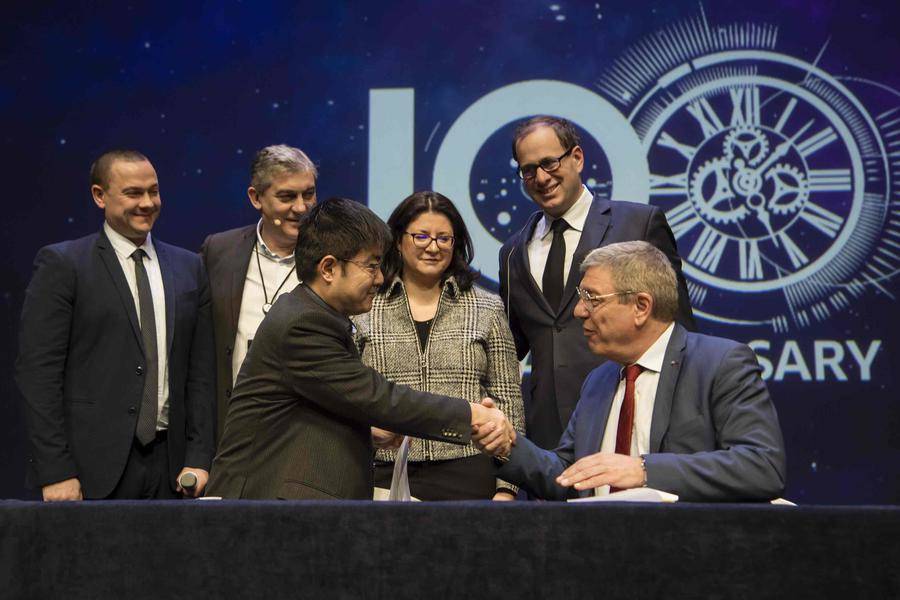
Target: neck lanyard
column 267, row 305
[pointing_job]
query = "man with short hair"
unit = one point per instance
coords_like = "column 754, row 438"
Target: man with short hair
column 677, row 411
column 298, row 424
column 539, row 268
column 115, row 352
column 250, row 267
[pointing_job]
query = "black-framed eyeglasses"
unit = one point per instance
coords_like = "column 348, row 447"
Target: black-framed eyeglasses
column 592, row 301
column 423, row 240
column 548, row 164
column 371, row 268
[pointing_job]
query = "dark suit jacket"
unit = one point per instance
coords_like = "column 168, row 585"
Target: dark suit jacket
column 81, row 364
column 560, row 357
column 298, row 421
column 226, row 256
column 714, row 435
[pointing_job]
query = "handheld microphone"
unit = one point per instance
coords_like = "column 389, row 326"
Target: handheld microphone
column 277, row 222
column 188, row 481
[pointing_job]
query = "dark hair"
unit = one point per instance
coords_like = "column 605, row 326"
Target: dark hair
column 339, row 227
column 101, row 167
column 463, row 251
column 565, row 131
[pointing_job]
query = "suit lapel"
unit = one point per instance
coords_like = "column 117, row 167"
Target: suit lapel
column 114, row 268
column 602, row 404
column 665, row 389
column 239, row 264
column 168, row 277
column 523, row 264
column 592, row 235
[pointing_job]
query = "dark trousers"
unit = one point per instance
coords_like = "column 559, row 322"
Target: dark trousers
column 146, row 474
column 470, row 478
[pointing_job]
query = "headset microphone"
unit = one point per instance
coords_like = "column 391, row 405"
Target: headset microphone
column 277, row 222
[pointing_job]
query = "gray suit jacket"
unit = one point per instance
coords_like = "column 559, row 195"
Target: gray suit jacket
column 560, row 357
column 714, row 435
column 298, row 422
column 226, row 255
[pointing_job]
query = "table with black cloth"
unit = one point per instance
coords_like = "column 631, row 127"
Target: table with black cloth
column 250, row 549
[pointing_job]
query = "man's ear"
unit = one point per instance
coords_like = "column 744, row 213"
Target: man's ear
column 578, row 156
column 643, row 308
column 97, row 193
column 327, row 268
column 254, row 198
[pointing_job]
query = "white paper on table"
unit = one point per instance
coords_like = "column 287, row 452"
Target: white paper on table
column 641, row 494
column 399, row 491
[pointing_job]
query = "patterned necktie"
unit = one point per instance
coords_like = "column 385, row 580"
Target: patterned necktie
column 552, row 281
column 626, row 415
column 146, row 425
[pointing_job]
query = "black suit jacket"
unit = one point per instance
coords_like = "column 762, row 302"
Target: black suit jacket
column 226, row 256
column 560, row 357
column 81, row 364
column 298, row 421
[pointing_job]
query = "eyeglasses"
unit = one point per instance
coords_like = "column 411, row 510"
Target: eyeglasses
column 423, row 240
column 370, row 268
column 528, row 172
column 592, row 302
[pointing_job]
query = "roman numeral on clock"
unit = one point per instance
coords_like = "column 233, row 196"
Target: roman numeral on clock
column 750, row 259
column 668, row 141
column 706, row 116
column 744, row 106
column 708, row 250
column 822, row 219
column 682, row 218
column 795, row 254
column 668, row 185
column 830, row 180
column 816, row 142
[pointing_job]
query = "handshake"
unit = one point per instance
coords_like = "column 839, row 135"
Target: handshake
column 491, row 431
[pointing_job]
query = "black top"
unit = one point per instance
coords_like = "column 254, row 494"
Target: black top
column 422, row 329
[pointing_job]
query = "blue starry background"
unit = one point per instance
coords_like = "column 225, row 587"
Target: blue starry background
column 200, row 86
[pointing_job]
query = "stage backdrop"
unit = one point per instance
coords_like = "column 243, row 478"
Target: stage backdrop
column 769, row 131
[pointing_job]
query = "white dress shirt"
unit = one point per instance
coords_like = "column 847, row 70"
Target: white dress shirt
column 539, row 245
column 274, row 270
column 644, row 400
column 124, row 248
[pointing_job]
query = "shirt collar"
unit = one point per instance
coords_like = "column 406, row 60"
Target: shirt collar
column 264, row 250
column 575, row 216
column 652, row 358
column 450, row 284
column 125, row 247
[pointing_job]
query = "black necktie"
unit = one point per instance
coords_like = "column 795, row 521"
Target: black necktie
column 146, row 425
column 552, row 282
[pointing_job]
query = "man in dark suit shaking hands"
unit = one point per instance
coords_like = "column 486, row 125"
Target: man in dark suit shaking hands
column 539, row 268
column 115, row 358
column 298, row 424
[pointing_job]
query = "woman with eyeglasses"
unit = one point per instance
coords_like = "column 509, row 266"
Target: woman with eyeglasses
column 431, row 329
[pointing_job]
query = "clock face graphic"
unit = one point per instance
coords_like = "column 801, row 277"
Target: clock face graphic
column 771, row 173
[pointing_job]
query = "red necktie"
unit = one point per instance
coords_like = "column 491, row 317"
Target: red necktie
column 626, row 414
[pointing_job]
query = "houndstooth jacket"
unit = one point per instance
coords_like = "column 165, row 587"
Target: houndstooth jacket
column 470, row 354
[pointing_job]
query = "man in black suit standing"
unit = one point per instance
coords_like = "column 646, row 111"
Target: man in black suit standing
column 298, row 424
column 539, row 268
column 115, row 358
column 250, row 267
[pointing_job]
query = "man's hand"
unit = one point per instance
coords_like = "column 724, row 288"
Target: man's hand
column 503, row 496
column 197, row 490
column 67, row 489
column 616, row 470
column 491, row 430
column 386, row 440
